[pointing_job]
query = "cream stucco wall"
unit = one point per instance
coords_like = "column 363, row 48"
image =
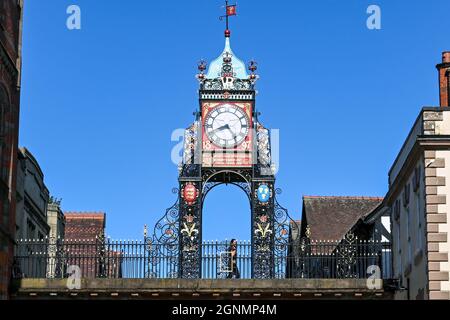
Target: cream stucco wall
column 445, row 208
column 429, row 268
column 443, row 127
column 411, row 269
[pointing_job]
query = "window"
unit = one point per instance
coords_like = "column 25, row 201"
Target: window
column 398, row 238
column 30, row 229
column 419, row 234
column 396, row 210
column 416, row 179
column 408, row 234
column 406, row 194
column 398, row 245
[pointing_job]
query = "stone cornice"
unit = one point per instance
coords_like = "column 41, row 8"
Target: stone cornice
column 418, row 122
column 438, row 142
column 201, row 288
column 443, row 65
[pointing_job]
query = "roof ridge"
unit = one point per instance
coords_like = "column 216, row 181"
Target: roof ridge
column 81, row 212
column 343, row 197
column 85, row 214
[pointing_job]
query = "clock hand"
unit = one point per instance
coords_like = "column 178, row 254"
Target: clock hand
column 226, row 126
column 233, row 135
column 236, row 128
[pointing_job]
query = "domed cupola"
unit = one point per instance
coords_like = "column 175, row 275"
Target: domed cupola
column 238, row 68
column 227, row 72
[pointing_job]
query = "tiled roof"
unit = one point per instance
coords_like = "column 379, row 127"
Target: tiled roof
column 331, row 217
column 84, row 215
column 84, row 225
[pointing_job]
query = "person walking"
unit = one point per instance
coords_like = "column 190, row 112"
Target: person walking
column 234, row 271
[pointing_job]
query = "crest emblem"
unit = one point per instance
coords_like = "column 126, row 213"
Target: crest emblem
column 264, row 231
column 189, row 193
column 263, row 193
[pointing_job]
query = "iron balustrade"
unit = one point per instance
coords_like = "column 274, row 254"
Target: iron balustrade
column 357, row 259
column 50, row 258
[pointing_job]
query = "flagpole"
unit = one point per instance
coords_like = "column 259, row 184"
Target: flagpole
column 226, row 13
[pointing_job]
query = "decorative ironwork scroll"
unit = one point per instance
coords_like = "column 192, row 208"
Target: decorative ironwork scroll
column 164, row 245
column 346, row 257
column 283, row 240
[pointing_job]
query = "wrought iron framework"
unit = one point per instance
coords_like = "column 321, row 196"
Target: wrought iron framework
column 179, row 230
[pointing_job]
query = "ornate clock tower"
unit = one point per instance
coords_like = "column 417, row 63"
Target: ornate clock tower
column 226, row 144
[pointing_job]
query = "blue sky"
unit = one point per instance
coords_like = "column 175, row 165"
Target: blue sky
column 99, row 104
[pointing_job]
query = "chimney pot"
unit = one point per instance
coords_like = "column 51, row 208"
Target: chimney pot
column 446, row 57
column 444, row 80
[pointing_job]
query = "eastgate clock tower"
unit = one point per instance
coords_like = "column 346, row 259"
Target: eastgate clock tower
column 226, row 144
column 227, row 99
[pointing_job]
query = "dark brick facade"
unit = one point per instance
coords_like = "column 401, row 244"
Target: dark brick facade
column 84, row 225
column 85, row 229
column 10, row 66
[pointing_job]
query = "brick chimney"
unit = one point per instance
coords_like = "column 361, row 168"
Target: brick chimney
column 444, row 80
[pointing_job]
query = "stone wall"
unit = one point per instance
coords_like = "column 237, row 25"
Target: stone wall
column 281, row 289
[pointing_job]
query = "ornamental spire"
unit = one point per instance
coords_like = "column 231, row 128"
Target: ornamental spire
column 230, row 10
column 227, row 72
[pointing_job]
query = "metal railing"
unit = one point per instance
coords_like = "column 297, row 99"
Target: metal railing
column 50, row 258
column 340, row 260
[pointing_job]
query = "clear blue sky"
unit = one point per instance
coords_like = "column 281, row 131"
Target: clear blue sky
column 99, row 105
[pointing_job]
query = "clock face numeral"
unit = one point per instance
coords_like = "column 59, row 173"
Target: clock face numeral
column 227, row 125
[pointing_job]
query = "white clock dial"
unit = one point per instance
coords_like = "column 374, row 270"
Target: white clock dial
column 227, row 125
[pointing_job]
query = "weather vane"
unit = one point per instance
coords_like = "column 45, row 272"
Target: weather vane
column 230, row 10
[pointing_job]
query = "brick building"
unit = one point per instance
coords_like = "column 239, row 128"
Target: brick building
column 83, row 234
column 10, row 67
column 84, row 225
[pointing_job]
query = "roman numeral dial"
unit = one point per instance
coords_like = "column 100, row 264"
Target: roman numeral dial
column 227, row 125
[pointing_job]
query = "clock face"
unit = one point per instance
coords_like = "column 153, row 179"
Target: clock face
column 227, row 125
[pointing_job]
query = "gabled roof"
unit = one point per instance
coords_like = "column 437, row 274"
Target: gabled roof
column 330, row 218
